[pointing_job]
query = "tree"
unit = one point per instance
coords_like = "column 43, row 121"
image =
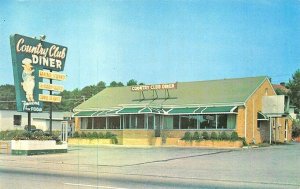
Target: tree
column 113, row 84
column 132, row 82
column 116, row 84
column 294, row 86
column 7, row 97
column 100, row 86
column 280, row 92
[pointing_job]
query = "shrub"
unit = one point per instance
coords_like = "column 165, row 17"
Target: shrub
column 223, row 136
column 101, row 135
column 82, row 135
column 94, row 135
column 109, row 135
column 114, row 139
column 196, row 136
column 89, row 135
column 187, row 136
column 296, row 132
column 234, row 136
column 76, row 134
column 2, row 135
column 244, row 141
column 214, row 136
column 205, row 135
column 296, row 129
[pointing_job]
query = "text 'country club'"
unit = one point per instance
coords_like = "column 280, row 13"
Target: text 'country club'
column 50, row 57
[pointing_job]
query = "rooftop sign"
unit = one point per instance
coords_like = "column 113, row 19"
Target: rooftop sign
column 154, row 87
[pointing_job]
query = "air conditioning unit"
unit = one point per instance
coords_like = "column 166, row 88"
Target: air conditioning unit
column 275, row 106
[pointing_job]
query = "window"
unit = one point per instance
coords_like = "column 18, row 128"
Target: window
column 222, row 121
column 188, row 122
column 113, row 122
column 83, row 124
column 89, row 123
column 140, row 121
column 150, row 121
column 175, row 122
column 99, row 123
column 168, row 122
column 126, row 121
column 17, row 120
column 209, row 122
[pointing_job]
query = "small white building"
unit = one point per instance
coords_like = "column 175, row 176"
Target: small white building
column 12, row 120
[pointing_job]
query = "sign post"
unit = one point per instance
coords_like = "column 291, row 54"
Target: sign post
column 30, row 56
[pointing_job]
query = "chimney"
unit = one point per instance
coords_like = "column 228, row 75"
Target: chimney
column 282, row 84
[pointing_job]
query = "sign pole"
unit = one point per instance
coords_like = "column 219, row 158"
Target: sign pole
column 50, row 121
column 29, row 121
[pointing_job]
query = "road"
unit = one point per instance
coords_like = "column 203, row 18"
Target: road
column 119, row 167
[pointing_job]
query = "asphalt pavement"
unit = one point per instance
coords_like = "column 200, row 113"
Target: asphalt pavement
column 124, row 167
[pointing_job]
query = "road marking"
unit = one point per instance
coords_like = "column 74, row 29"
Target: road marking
column 93, row 186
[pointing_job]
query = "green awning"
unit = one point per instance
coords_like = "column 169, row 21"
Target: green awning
column 157, row 110
column 100, row 113
column 84, row 114
column 182, row 110
column 199, row 110
column 262, row 117
column 219, row 109
column 130, row 110
column 146, row 110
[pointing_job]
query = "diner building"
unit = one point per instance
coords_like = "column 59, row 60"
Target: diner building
column 141, row 114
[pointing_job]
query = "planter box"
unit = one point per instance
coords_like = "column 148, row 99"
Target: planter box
column 157, row 141
column 211, row 144
column 81, row 141
column 36, row 147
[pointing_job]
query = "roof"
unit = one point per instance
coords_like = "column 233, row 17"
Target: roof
column 281, row 87
column 188, row 94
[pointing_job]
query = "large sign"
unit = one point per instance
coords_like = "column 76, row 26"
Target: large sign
column 154, row 87
column 44, row 54
column 29, row 57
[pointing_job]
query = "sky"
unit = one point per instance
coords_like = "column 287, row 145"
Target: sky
column 159, row 41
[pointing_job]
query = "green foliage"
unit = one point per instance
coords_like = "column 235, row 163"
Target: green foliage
column 234, row 136
column 101, row 135
column 197, row 136
column 70, row 99
column 244, row 141
column 9, row 135
column 280, row 91
column 132, row 82
column 205, row 135
column 109, row 135
column 89, row 135
column 26, row 135
column 223, row 136
column 76, row 134
column 294, row 87
column 214, row 136
column 94, row 135
column 7, row 96
column 83, row 135
column 116, row 84
column 296, row 129
column 187, row 136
